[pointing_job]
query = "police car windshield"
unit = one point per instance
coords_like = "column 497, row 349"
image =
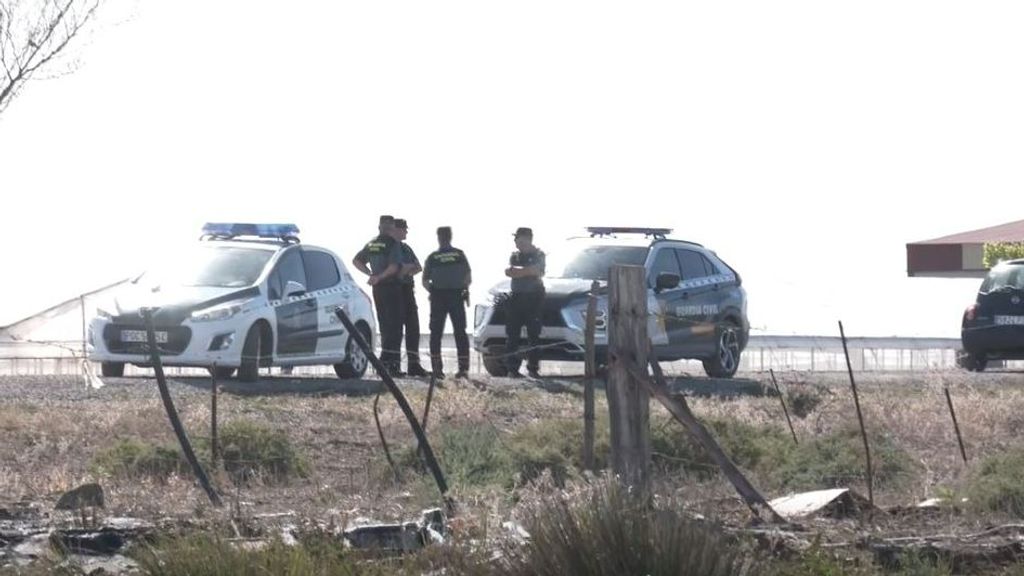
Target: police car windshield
column 220, row 267
column 1004, row 277
column 593, row 262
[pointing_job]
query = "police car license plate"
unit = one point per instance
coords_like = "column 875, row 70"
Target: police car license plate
column 1010, row 320
column 140, row 336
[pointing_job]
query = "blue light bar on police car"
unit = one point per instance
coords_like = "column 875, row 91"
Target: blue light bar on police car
column 232, row 229
column 606, row 230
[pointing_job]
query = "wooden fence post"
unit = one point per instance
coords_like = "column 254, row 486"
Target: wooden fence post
column 628, row 400
column 590, row 371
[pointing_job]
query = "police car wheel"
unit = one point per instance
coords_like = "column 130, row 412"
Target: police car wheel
column 356, row 362
column 112, row 369
column 726, row 360
column 494, row 361
column 249, row 371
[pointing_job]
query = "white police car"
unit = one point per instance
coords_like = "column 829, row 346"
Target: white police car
column 697, row 306
column 246, row 296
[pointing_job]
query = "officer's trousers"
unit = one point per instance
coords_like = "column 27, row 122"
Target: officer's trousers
column 444, row 304
column 524, row 309
column 411, row 322
column 390, row 304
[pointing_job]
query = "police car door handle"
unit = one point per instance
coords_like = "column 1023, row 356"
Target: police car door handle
column 686, row 295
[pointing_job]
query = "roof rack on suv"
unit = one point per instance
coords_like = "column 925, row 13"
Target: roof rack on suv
column 287, row 233
column 609, row 230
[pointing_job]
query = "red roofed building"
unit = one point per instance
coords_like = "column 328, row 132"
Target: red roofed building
column 959, row 255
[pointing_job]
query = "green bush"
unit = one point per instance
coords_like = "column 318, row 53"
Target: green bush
column 995, row 484
column 994, row 252
column 802, row 400
column 611, row 531
column 836, row 460
column 249, row 450
column 747, row 446
column 134, row 458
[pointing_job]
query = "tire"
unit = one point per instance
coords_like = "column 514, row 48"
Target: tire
column 112, row 369
column 972, row 362
column 356, row 363
column 252, row 357
column 224, row 372
column 726, row 360
column 494, row 361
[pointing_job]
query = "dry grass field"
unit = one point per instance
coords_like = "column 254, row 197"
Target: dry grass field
column 508, row 445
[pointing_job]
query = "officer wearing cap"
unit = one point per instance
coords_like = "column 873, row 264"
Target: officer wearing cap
column 381, row 260
column 446, row 276
column 525, row 303
column 410, row 311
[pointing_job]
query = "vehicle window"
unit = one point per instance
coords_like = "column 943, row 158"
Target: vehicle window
column 220, row 267
column 593, row 262
column 692, row 263
column 665, row 262
column 321, row 271
column 709, row 267
column 1001, row 277
column 289, row 267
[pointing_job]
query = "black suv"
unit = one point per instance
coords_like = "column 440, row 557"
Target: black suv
column 993, row 327
column 698, row 308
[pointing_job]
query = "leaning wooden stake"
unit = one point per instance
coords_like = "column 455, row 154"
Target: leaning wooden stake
column 860, row 418
column 588, row 379
column 784, row 409
column 421, row 437
column 956, row 426
column 677, row 406
column 172, row 414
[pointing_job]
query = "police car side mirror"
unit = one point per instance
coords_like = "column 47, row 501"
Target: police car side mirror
column 293, row 288
column 666, row 281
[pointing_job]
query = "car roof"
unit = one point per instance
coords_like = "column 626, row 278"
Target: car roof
column 626, row 240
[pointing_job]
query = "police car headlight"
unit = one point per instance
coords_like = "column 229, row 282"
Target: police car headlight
column 222, row 312
column 479, row 314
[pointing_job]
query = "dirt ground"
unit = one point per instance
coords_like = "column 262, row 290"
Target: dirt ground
column 52, row 427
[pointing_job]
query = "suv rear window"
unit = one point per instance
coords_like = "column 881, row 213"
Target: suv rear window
column 593, row 262
column 1009, row 276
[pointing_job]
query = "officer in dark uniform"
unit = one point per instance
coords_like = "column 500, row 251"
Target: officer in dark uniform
column 525, row 268
column 381, row 260
column 410, row 311
column 446, row 276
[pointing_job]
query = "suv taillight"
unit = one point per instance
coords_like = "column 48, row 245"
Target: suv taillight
column 971, row 313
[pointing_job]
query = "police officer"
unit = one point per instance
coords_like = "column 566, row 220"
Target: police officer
column 526, row 268
column 446, row 276
column 381, row 260
column 410, row 311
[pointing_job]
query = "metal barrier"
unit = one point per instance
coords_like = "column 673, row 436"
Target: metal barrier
column 781, row 353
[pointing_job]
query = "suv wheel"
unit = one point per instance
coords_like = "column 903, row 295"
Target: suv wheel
column 726, row 360
column 494, row 361
column 356, row 362
column 112, row 369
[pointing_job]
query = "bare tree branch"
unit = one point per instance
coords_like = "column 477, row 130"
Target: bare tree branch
column 34, row 34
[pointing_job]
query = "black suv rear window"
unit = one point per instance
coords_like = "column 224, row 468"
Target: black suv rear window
column 593, row 262
column 1008, row 276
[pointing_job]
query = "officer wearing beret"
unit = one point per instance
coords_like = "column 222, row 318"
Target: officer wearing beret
column 447, row 276
column 410, row 311
column 381, row 260
column 526, row 301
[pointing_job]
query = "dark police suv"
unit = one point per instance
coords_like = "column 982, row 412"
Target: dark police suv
column 697, row 306
column 993, row 327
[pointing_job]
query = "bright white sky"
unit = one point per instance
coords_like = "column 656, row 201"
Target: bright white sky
column 806, row 142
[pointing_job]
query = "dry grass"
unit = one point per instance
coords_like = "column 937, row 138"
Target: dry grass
column 49, row 444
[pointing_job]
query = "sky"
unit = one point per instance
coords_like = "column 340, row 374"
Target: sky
column 805, row 142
